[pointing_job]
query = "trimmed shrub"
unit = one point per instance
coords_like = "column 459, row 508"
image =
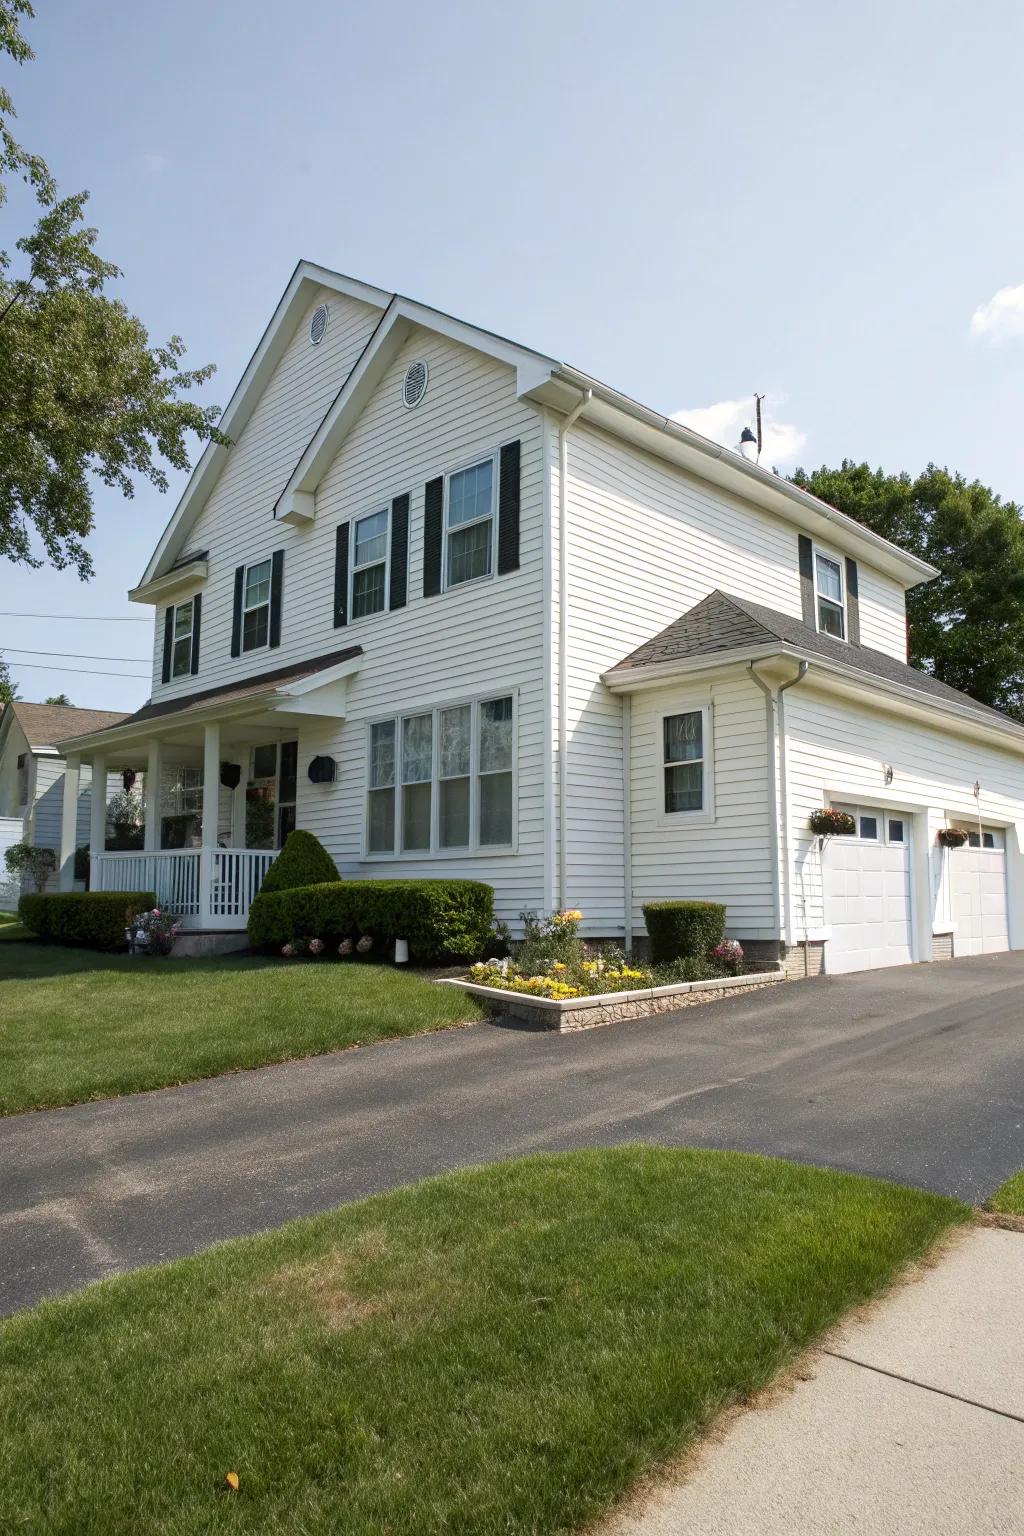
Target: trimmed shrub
column 83, row 919
column 680, row 929
column 302, row 861
column 442, row 919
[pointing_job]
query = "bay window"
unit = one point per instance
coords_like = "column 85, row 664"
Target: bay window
column 442, row 781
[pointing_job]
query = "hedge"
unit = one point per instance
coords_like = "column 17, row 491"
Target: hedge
column 82, row 919
column 679, row 929
column 302, row 861
column 441, row 919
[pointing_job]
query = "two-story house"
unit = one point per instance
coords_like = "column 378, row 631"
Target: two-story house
column 460, row 609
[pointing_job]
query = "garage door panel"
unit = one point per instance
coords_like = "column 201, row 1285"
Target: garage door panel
column 977, row 882
column 867, row 902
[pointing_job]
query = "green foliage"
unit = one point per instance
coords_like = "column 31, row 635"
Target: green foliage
column 82, row 865
column 550, row 939
column 302, row 861
column 125, row 820
column 967, row 626
column 26, row 859
column 83, row 919
column 84, row 391
column 58, row 698
column 8, row 687
column 441, row 919
column 683, row 929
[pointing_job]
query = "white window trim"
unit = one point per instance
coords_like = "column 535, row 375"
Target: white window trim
column 353, row 618
column 882, row 814
column 474, row 850
column 706, row 815
column 479, row 458
column 840, row 560
column 250, row 565
column 190, row 604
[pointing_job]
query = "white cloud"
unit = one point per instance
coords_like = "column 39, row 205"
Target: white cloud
column 724, row 421
column 1001, row 318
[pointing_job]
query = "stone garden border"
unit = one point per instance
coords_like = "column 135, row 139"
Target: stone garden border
column 608, row 1007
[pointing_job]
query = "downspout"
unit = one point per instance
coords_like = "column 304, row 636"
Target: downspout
column 775, row 730
column 784, row 786
column 563, row 639
column 627, row 823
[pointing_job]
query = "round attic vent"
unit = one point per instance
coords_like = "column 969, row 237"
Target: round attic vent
column 414, row 385
column 318, row 324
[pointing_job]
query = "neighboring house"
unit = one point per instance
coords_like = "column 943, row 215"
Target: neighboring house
column 460, row 609
column 32, row 780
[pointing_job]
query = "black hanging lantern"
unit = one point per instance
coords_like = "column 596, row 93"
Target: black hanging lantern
column 231, row 775
column 128, row 777
column 322, row 770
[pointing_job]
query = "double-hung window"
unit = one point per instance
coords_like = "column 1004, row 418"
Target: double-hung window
column 181, row 640
column 369, row 564
column 442, row 781
column 683, row 763
column 469, row 524
column 256, row 606
column 830, row 595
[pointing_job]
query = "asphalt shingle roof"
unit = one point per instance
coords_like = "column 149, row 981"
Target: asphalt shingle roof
column 46, row 724
column 721, row 622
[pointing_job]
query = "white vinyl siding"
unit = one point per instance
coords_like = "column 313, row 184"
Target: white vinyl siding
column 686, row 857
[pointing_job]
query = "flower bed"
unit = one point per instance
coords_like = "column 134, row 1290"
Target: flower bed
column 555, row 981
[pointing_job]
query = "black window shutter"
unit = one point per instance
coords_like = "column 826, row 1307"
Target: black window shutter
column 807, row 580
column 276, row 585
column 165, row 675
column 433, row 511
column 341, row 576
column 508, row 509
column 197, row 614
column 399, row 551
column 852, row 603
column 236, row 621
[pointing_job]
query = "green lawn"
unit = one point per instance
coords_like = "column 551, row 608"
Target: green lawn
column 500, row 1350
column 76, row 1025
column 1009, row 1197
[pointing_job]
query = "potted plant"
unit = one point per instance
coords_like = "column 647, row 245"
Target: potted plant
column 829, row 822
column 152, row 932
column 953, row 837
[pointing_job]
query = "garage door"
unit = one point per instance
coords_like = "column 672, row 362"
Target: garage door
column 977, row 881
column 867, row 892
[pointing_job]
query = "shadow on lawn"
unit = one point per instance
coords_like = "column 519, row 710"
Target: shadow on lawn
column 29, row 960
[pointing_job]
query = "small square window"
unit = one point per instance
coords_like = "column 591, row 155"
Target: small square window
column 973, row 840
column 895, row 830
column 987, row 840
column 869, row 828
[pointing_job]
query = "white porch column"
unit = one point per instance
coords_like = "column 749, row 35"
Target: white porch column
column 211, row 795
column 97, row 815
column 153, row 773
column 69, row 821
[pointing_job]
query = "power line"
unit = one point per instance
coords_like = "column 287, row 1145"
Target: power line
column 91, row 618
column 22, row 650
column 41, row 666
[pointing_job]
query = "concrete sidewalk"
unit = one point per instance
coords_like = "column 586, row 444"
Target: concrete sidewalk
column 911, row 1420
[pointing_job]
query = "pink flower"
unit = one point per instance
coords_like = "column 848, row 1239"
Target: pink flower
column 316, row 946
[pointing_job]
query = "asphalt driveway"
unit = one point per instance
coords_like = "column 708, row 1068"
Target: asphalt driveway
column 915, row 1074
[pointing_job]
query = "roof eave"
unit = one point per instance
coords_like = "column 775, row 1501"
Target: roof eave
column 720, row 464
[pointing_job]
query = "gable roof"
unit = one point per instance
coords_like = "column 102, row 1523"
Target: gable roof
column 540, row 379
column 721, row 623
column 46, row 724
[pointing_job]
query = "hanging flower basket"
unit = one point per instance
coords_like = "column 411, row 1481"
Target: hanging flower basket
column 831, row 823
column 953, row 837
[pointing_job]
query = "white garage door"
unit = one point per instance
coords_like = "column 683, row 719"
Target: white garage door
column 977, row 880
column 867, row 892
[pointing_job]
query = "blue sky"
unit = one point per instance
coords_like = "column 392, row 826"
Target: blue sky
column 692, row 201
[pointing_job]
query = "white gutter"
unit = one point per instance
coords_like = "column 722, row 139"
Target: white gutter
column 920, row 570
column 563, row 639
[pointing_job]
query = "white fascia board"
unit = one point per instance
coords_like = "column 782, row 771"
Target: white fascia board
column 396, row 326
column 305, row 280
column 161, row 587
column 666, row 438
column 657, row 674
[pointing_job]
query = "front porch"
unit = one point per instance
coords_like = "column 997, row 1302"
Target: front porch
column 213, row 782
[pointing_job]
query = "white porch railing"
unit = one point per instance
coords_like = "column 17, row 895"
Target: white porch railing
column 208, row 888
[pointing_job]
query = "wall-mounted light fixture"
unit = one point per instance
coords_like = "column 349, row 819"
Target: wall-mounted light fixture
column 323, row 770
column 888, row 772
